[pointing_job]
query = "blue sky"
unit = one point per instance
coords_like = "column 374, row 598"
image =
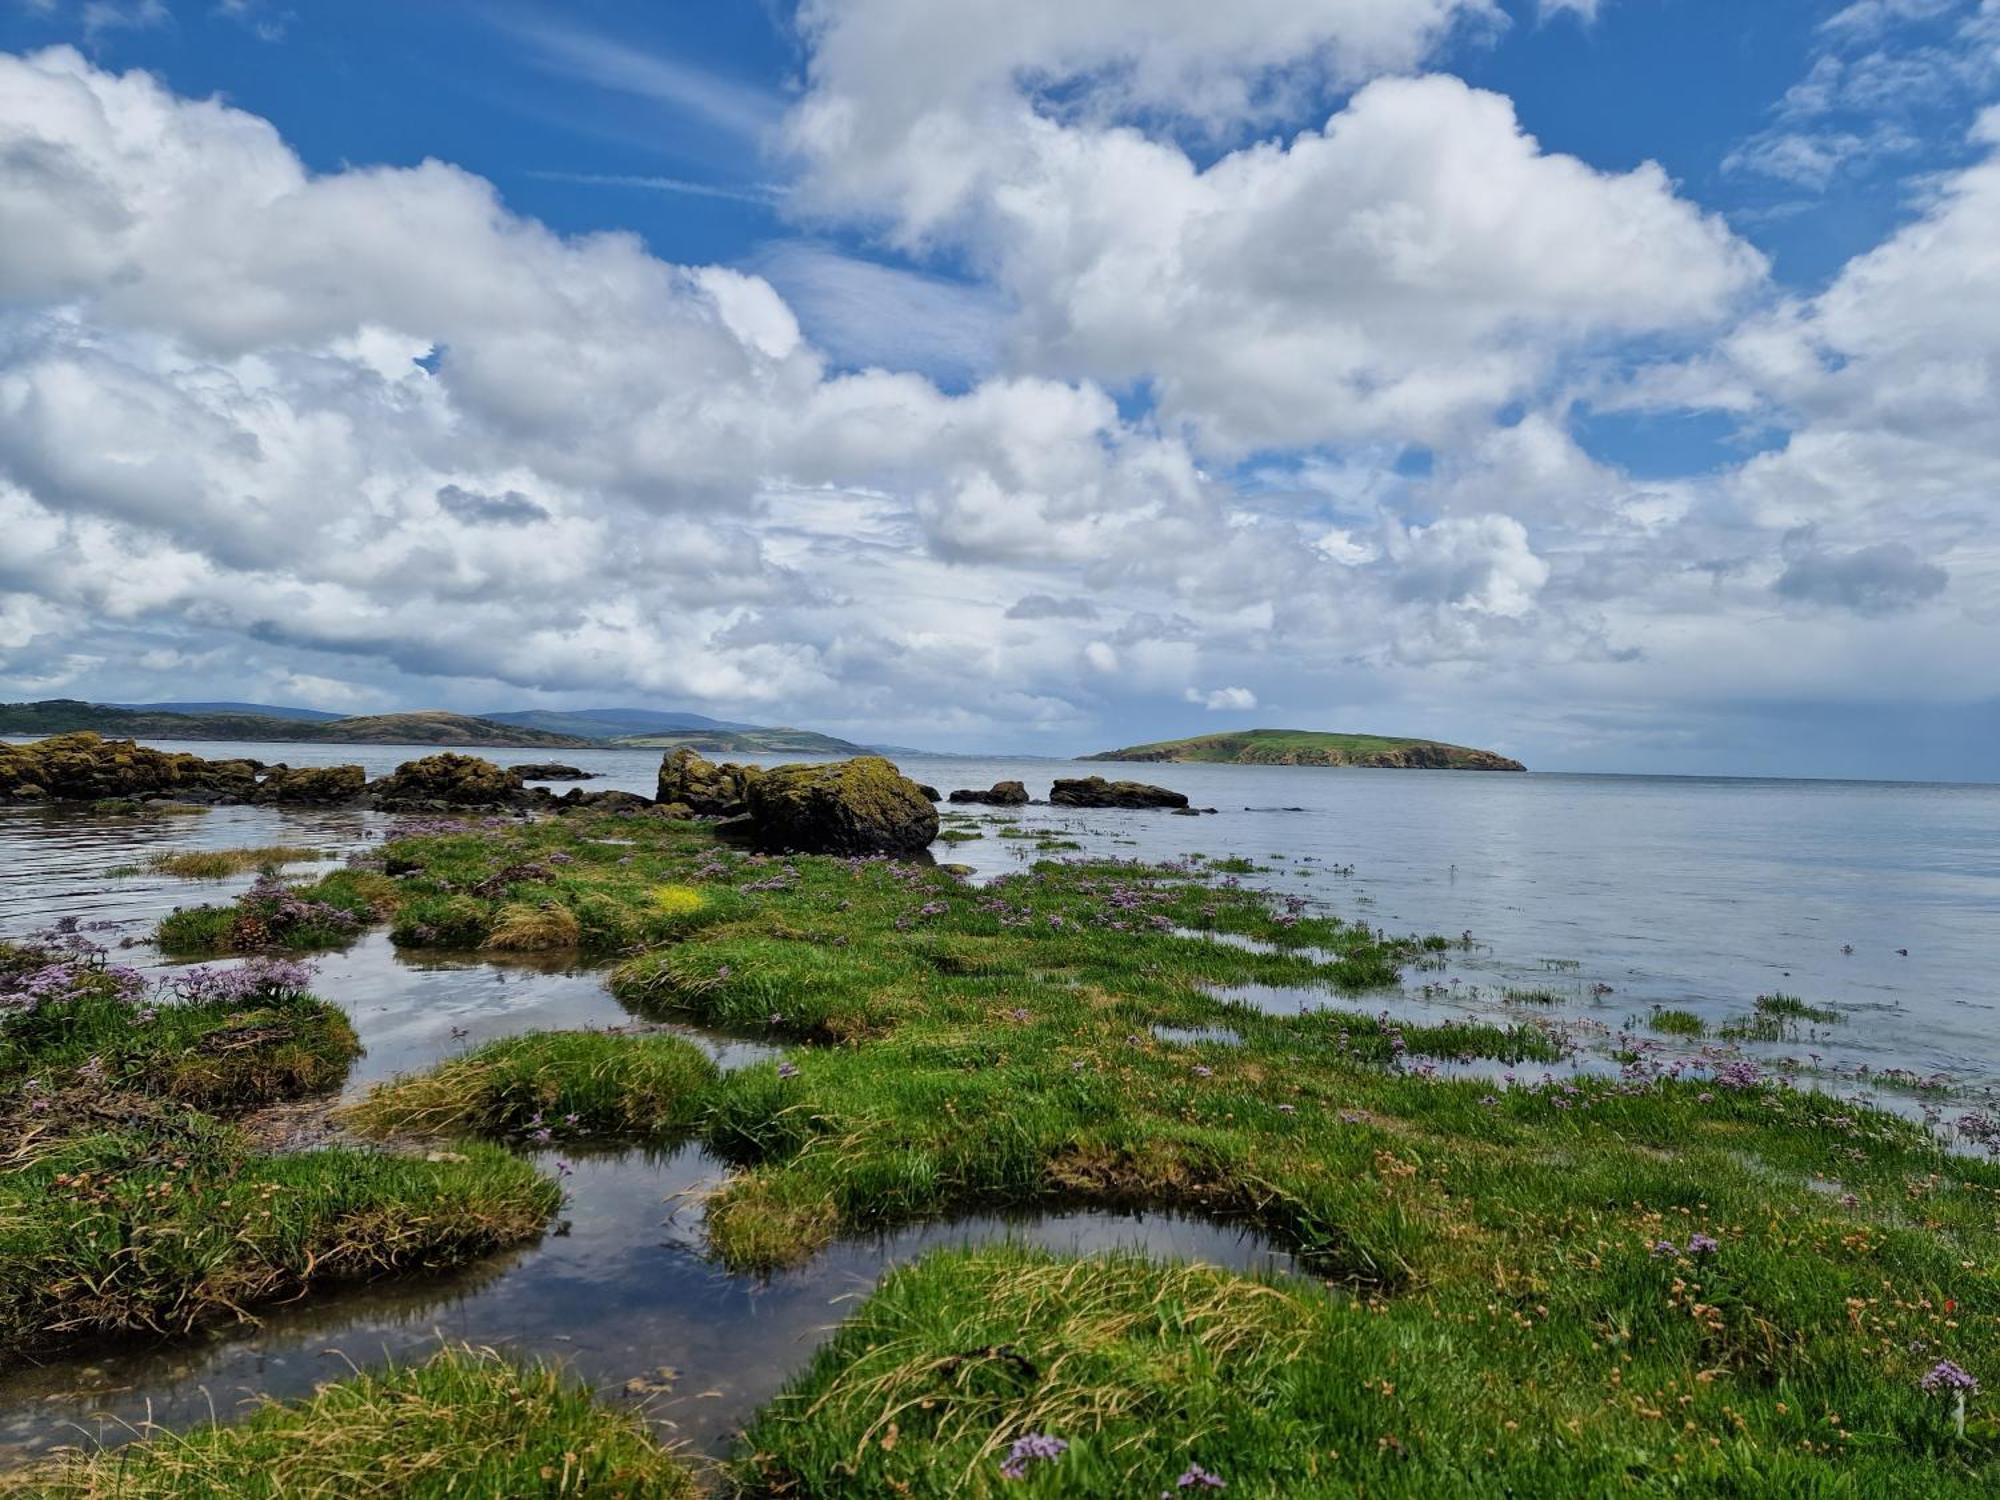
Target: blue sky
column 1605, row 382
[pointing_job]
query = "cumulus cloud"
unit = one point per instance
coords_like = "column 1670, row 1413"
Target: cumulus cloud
column 1223, row 700
column 1044, row 607
column 1873, row 580
column 1403, row 272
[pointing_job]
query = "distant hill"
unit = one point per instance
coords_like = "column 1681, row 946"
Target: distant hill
column 1308, row 747
column 609, row 723
column 745, row 742
column 61, row 715
column 260, row 710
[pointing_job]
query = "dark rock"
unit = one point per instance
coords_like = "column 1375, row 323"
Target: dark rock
column 859, row 806
column 930, row 791
column 449, row 780
column 1000, row 794
column 612, row 801
column 87, row 767
column 312, row 786
column 1095, row 791
column 552, row 770
column 704, row 788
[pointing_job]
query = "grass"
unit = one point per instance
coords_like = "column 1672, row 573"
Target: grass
column 219, row 864
column 1677, row 1022
column 1792, row 1008
column 466, row 1423
column 581, row 1083
column 1594, row 1286
column 273, row 916
column 1150, row 1372
column 128, row 1202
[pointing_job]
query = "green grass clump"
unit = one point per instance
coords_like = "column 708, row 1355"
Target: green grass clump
column 1149, row 1372
column 1533, row 997
column 274, row 916
column 1677, row 1022
column 162, row 1226
column 1792, row 1008
column 958, row 836
column 225, row 1053
column 466, row 1424
column 128, row 1204
column 218, row 864
column 577, row 1083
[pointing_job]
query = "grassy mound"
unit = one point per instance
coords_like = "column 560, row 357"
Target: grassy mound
column 465, row 1424
column 129, row 1205
column 585, row 1082
column 1145, row 1374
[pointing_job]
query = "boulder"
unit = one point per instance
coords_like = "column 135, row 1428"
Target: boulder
column 1095, row 791
column 704, row 788
column 859, row 806
column 87, row 767
column 930, row 791
column 1000, row 794
column 552, row 770
column 449, row 780
column 311, row 786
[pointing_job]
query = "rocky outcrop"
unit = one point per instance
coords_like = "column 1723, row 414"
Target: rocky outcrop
column 552, row 770
column 930, row 791
column 87, row 767
column 1427, row 757
column 1000, row 794
column 1095, row 791
column 312, row 786
column 859, row 806
column 443, row 783
column 704, row 788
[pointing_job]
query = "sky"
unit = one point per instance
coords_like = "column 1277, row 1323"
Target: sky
column 1611, row 383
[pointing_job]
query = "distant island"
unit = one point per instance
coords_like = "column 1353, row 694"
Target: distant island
column 1310, row 747
column 600, row 728
column 747, row 741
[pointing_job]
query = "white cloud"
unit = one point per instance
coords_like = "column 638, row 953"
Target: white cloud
column 1223, row 700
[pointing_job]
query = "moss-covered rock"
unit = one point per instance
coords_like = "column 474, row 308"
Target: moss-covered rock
column 703, row 787
column 1095, row 791
column 1000, row 794
column 447, row 780
column 87, row 767
column 312, row 786
column 859, row 806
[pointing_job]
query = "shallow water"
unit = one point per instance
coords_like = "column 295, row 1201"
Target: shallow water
column 623, row 1297
column 1613, row 894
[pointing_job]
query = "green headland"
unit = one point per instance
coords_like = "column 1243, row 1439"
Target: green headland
column 1312, row 747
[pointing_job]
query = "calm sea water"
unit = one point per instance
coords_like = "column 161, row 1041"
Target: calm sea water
column 1605, row 896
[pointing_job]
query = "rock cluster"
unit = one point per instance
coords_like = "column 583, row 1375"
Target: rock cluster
column 312, row 786
column 859, row 806
column 444, row 782
column 87, row 767
column 1095, row 791
column 1000, row 794
column 704, row 789
column 552, row 770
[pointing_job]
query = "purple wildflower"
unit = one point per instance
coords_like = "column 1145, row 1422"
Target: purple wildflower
column 1663, row 1249
column 787, row 1070
column 1202, row 1070
column 1947, row 1376
column 1030, row 1448
column 1198, row 1478
column 541, row 1137
column 1703, row 1244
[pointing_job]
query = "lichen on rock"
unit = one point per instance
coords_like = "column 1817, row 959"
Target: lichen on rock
column 859, row 806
